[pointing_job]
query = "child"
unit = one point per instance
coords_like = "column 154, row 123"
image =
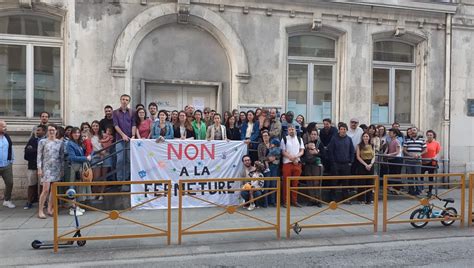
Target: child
column 107, row 138
column 87, row 142
column 274, row 152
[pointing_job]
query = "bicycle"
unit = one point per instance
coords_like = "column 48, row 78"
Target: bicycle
column 427, row 212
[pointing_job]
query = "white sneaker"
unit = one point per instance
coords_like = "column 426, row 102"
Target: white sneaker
column 251, row 206
column 8, row 204
column 81, row 209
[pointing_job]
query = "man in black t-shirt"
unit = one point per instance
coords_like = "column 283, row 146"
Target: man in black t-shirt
column 107, row 121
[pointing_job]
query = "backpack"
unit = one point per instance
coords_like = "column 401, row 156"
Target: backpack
column 299, row 140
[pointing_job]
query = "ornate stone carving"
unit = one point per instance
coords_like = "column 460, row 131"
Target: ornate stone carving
column 399, row 29
column 317, row 24
column 118, row 71
column 183, row 11
column 25, row 4
column 269, row 12
column 292, row 14
column 243, row 78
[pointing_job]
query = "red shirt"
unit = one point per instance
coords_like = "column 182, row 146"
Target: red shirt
column 88, row 146
column 145, row 128
column 432, row 149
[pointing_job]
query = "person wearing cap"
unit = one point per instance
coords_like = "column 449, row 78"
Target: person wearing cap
column 355, row 132
column 289, row 116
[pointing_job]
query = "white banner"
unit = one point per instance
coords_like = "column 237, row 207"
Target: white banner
column 186, row 159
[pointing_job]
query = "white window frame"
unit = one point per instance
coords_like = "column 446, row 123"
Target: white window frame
column 311, row 62
column 392, row 67
column 30, row 42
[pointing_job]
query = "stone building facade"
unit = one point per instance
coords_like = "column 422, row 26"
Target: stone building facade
column 380, row 61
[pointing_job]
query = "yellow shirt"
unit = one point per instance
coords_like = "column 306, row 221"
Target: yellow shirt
column 367, row 152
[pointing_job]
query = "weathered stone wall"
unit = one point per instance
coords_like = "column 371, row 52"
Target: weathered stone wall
column 253, row 35
column 462, row 68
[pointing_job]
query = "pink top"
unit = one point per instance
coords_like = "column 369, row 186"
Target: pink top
column 145, row 128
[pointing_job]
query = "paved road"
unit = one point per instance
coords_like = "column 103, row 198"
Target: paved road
column 454, row 252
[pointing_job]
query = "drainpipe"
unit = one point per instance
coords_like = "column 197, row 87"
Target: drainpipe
column 447, row 91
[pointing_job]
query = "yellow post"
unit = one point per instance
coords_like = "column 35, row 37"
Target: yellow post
column 463, row 192
column 288, row 220
column 169, row 212
column 376, row 202
column 470, row 200
column 180, row 212
column 385, row 181
column 55, row 217
column 278, row 229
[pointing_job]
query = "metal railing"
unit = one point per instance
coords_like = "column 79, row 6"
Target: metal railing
column 471, row 199
column 109, row 215
column 333, row 205
column 227, row 209
column 111, row 155
column 388, row 184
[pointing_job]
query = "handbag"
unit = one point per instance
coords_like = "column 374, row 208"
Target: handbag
column 86, row 172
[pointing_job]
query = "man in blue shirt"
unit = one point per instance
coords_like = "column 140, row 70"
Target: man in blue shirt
column 6, row 162
column 341, row 155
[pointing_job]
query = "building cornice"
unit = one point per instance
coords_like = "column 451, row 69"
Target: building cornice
column 404, row 4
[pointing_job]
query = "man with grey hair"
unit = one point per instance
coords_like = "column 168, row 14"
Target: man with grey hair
column 6, row 162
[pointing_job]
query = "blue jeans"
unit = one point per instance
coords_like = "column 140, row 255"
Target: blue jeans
column 414, row 170
column 246, row 195
column 123, row 161
column 274, row 172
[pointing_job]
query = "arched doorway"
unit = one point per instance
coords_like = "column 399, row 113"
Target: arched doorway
column 175, row 65
column 200, row 18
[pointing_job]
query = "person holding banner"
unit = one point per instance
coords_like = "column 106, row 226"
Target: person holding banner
column 199, row 126
column 162, row 128
column 182, row 128
column 233, row 132
column 216, row 131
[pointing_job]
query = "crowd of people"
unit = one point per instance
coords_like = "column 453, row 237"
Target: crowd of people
column 280, row 145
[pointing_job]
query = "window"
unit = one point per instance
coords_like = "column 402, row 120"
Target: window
column 392, row 82
column 30, row 66
column 311, row 63
column 30, row 25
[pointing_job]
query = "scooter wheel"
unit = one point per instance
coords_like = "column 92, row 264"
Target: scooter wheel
column 81, row 243
column 297, row 228
column 36, row 244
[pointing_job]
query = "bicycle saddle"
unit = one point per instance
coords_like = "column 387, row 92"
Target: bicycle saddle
column 448, row 200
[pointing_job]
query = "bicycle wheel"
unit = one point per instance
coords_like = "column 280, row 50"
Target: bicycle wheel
column 419, row 214
column 449, row 212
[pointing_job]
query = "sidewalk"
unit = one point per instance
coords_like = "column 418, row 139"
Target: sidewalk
column 18, row 228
